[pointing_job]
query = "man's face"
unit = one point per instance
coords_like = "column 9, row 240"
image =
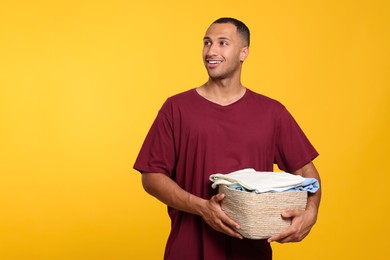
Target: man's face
column 224, row 51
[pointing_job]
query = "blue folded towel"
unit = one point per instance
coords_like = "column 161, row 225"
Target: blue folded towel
column 310, row 185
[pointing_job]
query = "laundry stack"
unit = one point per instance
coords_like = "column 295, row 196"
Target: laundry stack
column 255, row 200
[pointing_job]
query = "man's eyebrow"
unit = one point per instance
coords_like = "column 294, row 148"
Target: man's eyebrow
column 219, row 38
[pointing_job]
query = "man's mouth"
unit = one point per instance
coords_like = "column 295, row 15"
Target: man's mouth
column 214, row 61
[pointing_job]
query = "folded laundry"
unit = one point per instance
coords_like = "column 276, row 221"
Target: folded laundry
column 259, row 182
column 309, row 184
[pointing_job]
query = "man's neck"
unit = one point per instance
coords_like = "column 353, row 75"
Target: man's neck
column 222, row 92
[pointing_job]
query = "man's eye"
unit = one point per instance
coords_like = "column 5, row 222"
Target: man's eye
column 207, row 43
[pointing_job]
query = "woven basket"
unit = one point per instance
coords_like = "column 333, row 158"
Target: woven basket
column 259, row 214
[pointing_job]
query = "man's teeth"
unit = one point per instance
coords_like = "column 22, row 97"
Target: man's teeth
column 214, row 61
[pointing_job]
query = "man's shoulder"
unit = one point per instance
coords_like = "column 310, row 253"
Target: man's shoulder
column 264, row 100
column 180, row 100
column 188, row 94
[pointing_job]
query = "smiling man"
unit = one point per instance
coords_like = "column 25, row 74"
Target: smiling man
column 226, row 46
column 221, row 127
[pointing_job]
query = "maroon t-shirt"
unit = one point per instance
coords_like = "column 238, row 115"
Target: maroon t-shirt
column 192, row 138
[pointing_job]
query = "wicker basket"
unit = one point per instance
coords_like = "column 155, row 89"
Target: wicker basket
column 259, row 215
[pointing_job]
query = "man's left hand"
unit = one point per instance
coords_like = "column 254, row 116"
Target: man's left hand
column 301, row 223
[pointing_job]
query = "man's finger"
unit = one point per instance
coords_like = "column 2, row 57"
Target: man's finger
column 291, row 213
column 218, row 197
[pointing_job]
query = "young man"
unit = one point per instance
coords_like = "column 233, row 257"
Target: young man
column 221, row 127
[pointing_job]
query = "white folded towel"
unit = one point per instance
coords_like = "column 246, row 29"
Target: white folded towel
column 258, row 181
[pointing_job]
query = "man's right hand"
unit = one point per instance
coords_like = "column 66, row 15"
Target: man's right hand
column 213, row 215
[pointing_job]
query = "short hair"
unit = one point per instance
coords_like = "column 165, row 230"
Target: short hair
column 242, row 29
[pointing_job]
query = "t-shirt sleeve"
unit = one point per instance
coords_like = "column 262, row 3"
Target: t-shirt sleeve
column 293, row 149
column 157, row 154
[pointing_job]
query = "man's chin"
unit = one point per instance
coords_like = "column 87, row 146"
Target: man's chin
column 214, row 76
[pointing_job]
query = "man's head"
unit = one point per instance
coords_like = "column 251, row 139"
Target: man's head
column 226, row 46
column 242, row 29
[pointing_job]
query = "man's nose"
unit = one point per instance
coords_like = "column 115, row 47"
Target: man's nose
column 212, row 50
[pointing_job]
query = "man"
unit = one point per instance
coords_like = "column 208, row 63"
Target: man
column 221, row 127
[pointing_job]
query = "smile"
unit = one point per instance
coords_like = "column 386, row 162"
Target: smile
column 214, row 61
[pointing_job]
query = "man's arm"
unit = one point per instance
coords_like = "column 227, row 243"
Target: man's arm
column 169, row 192
column 302, row 220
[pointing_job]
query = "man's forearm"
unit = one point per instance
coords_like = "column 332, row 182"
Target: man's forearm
column 169, row 192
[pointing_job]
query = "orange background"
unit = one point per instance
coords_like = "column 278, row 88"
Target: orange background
column 82, row 81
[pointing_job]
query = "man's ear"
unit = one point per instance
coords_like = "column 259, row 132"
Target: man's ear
column 244, row 53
